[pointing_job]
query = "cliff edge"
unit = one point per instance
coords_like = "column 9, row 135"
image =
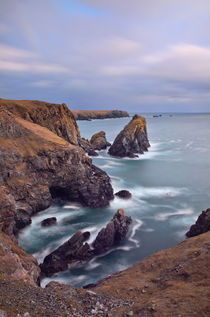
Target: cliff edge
column 98, row 114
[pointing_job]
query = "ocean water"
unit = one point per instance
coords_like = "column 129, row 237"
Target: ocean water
column 170, row 186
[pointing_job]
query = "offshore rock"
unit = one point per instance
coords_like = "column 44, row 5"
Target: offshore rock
column 114, row 233
column 49, row 222
column 37, row 166
column 202, row 224
column 75, row 250
column 99, row 142
column 132, row 139
column 69, row 252
column 124, row 194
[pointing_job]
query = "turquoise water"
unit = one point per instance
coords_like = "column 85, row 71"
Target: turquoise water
column 169, row 185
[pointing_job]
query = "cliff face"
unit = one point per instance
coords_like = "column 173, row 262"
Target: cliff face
column 36, row 166
column 56, row 117
column 132, row 139
column 100, row 114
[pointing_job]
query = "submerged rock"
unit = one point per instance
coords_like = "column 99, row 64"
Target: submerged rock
column 202, row 224
column 99, row 142
column 49, row 222
column 69, row 252
column 114, row 232
column 125, row 194
column 132, row 139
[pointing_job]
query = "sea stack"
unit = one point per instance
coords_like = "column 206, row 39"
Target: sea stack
column 99, row 141
column 132, row 139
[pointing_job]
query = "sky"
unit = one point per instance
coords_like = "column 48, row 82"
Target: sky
column 135, row 55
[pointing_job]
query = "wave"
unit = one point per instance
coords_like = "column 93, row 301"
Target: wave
column 146, row 192
column 179, row 212
column 133, row 232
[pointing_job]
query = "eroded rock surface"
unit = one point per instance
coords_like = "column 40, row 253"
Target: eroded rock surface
column 131, row 140
column 99, row 141
column 49, row 222
column 202, row 224
column 69, row 252
column 114, row 233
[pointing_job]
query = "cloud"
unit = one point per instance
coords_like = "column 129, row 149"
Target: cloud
column 43, row 83
column 9, row 52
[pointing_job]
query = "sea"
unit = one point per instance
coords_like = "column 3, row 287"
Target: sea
column 170, row 186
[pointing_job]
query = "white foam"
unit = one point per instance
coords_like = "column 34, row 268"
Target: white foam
column 165, row 216
column 91, row 265
column 90, row 229
column 146, row 192
column 133, row 232
column 71, row 207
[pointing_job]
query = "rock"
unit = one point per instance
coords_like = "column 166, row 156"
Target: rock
column 114, row 232
column 87, row 147
column 69, row 252
column 89, row 115
column 132, row 139
column 99, row 142
column 49, row 222
column 37, row 167
column 202, row 224
column 125, row 194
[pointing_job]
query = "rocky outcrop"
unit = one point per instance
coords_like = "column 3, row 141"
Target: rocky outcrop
column 15, row 263
column 87, row 147
column 124, row 194
column 101, row 114
column 75, row 250
column 37, row 166
column 131, row 140
column 99, row 142
column 69, row 252
column 202, row 224
column 49, row 222
column 114, row 233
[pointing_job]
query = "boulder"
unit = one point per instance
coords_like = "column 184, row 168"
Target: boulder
column 125, row 194
column 202, row 224
column 99, row 142
column 114, row 232
column 49, row 222
column 132, row 139
column 69, row 252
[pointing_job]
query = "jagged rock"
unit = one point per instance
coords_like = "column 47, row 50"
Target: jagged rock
column 99, row 142
column 125, row 194
column 132, row 139
column 87, row 147
column 37, row 166
column 202, row 224
column 69, row 252
column 114, row 232
column 49, row 222
column 75, row 249
column 101, row 114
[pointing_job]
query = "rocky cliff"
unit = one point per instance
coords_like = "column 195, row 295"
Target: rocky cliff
column 37, row 166
column 100, row 114
column 131, row 140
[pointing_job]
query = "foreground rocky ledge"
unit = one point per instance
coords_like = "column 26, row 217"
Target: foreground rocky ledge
column 131, row 140
column 172, row 282
column 100, row 114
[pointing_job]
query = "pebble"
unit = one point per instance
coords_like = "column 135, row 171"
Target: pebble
column 143, row 291
column 130, row 313
column 3, row 313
